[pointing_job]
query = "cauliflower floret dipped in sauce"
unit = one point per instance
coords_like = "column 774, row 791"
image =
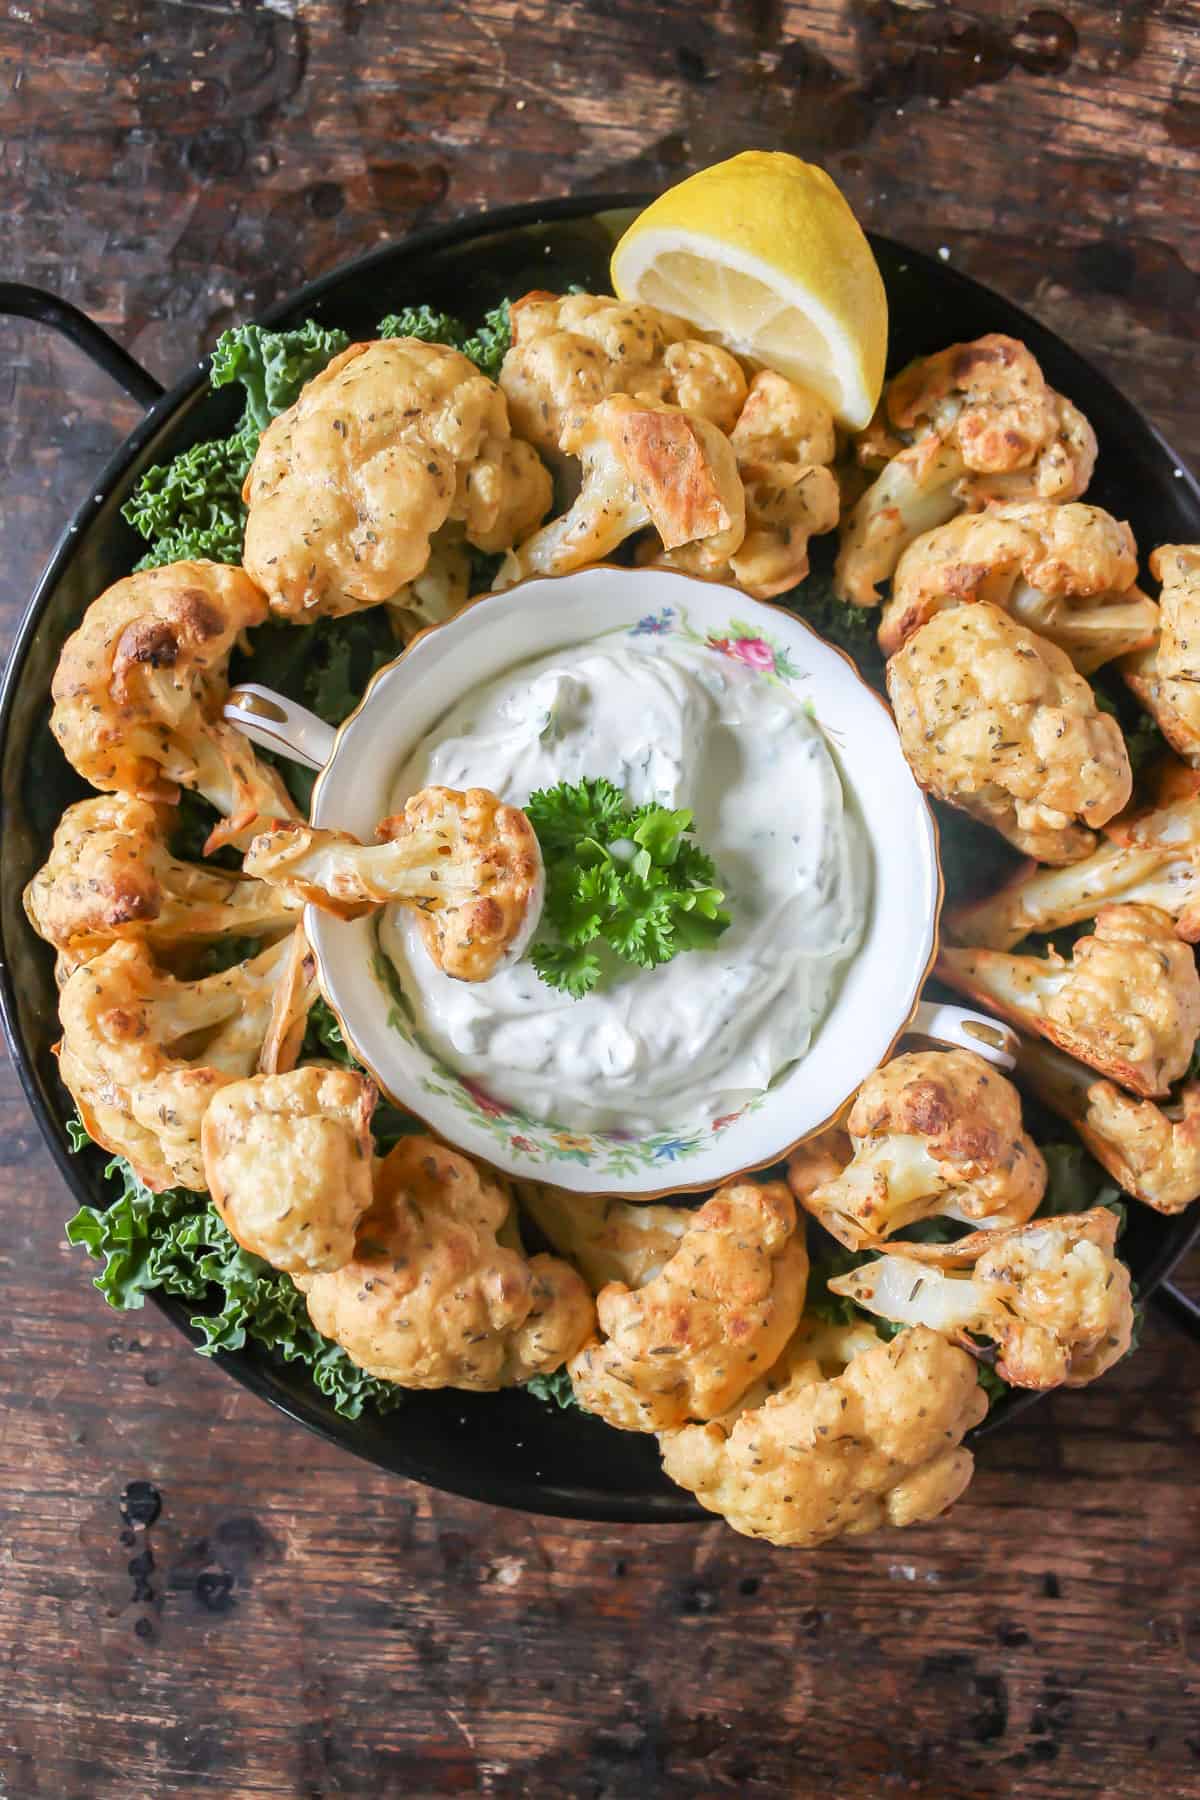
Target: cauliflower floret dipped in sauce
column 287, row 1160
column 995, row 720
column 1165, row 676
column 972, row 425
column 469, row 868
column 846, row 1435
column 641, row 465
column 1151, row 1151
column 570, row 352
column 934, row 1133
column 431, row 1298
column 689, row 1342
column 110, row 875
column 783, row 441
column 392, row 441
column 1052, row 1296
column 139, row 689
column 143, row 1054
column 1127, row 1002
column 1150, row 855
column 1067, row 572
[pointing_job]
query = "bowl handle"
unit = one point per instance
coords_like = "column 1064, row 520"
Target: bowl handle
column 277, row 723
column 964, row 1030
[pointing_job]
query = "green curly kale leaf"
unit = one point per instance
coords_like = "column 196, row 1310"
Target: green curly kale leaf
column 272, row 366
column 485, row 347
column 192, row 506
column 175, row 1243
column 628, row 878
column 425, row 323
column 554, row 1390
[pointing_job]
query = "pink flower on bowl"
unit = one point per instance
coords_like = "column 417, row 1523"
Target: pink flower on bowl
column 756, row 653
column 523, row 1143
column 482, row 1099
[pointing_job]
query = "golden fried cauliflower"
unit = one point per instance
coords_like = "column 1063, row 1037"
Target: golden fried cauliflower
column 143, row 1054
column 287, row 1160
column 974, row 424
column 110, row 875
column 1052, row 1296
column 1152, row 1152
column 385, row 446
column 932, row 1133
column 1127, row 1002
column 1150, row 855
column 469, row 867
column 430, row 1299
column 607, row 1240
column 1067, row 572
column 569, row 352
column 783, row 442
column 441, row 589
column 295, row 992
column 859, row 1435
column 139, row 689
column 691, row 1340
column 996, row 721
column 642, row 465
column 1165, row 677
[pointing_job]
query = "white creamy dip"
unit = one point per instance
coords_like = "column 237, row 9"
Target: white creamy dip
column 692, row 1040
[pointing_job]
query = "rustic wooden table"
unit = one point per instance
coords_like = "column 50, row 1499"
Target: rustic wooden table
column 194, row 1596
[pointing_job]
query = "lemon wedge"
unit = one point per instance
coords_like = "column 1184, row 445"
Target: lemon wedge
column 763, row 255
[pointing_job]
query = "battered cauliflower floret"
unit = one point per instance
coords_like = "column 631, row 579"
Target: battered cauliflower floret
column 1052, row 1296
column 570, row 352
column 110, row 875
column 1152, row 1152
column 642, row 465
column 837, row 1454
column 139, row 689
column 607, row 1240
column 143, row 1054
column 469, row 867
column 1067, row 572
column 1127, row 1002
column 996, row 721
column 783, row 442
column 978, row 424
column 934, row 1133
column 385, row 446
column 287, row 1160
column 441, row 589
column 689, row 1342
column 295, row 991
column 430, row 1299
column 1165, row 677
column 1151, row 856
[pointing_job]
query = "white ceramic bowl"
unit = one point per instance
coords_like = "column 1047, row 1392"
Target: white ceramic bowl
column 876, row 999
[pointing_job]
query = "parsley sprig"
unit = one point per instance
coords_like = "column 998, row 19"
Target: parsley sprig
column 631, row 878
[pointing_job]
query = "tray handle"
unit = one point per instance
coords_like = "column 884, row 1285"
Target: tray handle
column 1178, row 1307
column 18, row 301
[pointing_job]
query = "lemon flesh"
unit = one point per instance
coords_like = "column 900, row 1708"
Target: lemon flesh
column 763, row 255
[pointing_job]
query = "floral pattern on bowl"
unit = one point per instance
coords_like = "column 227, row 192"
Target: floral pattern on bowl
column 754, row 650
column 608, row 1154
column 881, row 986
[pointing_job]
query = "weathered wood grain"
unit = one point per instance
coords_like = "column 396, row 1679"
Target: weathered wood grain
column 292, row 1623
